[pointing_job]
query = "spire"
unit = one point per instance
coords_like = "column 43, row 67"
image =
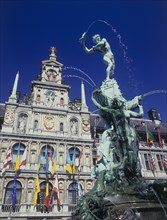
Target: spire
column 13, row 96
column 52, row 55
column 83, row 99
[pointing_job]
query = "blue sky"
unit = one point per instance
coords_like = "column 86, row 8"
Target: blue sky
column 29, row 28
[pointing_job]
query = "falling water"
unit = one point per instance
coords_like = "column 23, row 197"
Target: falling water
column 95, row 111
column 119, row 37
column 79, row 70
column 154, row 92
column 124, row 49
column 159, row 201
column 79, row 77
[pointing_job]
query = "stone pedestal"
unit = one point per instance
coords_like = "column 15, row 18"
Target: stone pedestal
column 129, row 206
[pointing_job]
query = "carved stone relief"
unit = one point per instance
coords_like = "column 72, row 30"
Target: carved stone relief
column 9, row 116
column 85, row 124
column 49, row 122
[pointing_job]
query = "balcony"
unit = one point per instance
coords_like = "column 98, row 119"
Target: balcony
column 28, row 210
column 9, row 208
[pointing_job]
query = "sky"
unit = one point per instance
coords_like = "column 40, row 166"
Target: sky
column 29, row 28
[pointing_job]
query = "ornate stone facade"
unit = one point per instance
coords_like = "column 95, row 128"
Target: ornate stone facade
column 45, row 120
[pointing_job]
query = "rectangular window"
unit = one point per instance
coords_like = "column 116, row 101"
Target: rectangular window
column 147, row 161
column 160, row 161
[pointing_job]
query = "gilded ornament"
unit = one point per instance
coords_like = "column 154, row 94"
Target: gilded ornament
column 9, row 116
column 49, row 122
column 85, row 124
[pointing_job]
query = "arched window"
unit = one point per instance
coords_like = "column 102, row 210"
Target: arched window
column 8, row 196
column 38, row 99
column 35, row 124
column 41, row 201
column 61, row 126
column 46, row 153
column 74, row 153
column 17, row 149
column 74, row 193
column 61, row 101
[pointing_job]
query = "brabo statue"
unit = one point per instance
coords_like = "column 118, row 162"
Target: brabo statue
column 102, row 46
column 117, row 170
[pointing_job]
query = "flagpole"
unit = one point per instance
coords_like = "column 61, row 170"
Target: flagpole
column 73, row 162
column 37, row 184
column 151, row 162
column 14, row 193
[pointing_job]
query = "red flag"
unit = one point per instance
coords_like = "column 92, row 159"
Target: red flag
column 56, row 190
column 165, row 162
column 78, row 161
column 50, row 160
column 23, row 160
column 7, row 160
column 159, row 137
column 153, row 163
column 80, row 156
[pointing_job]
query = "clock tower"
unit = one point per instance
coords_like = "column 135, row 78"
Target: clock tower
column 48, row 90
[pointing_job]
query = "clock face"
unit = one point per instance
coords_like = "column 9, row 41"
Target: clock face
column 9, row 116
column 52, row 75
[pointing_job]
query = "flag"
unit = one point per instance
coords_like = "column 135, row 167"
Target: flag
column 79, row 190
column 80, row 156
column 165, row 162
column 73, row 161
column 46, row 158
column 54, row 162
column 47, row 201
column 68, row 163
column 38, row 160
column 50, row 160
column 23, row 160
column 14, row 194
column 17, row 165
column 8, row 159
column 56, row 190
column 37, row 190
column 153, row 163
column 80, row 160
column 159, row 137
column 80, row 193
column 149, row 137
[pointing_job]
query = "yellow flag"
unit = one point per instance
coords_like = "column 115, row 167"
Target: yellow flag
column 54, row 166
column 37, row 190
column 69, row 168
column 73, row 168
column 17, row 165
column 47, row 189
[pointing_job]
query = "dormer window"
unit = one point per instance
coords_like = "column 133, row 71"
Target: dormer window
column 38, row 99
column 62, row 101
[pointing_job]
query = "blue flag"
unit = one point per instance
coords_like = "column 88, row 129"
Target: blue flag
column 14, row 194
column 46, row 158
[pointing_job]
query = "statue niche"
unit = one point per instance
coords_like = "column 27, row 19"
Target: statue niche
column 22, row 122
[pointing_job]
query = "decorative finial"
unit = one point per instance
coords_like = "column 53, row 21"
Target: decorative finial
column 52, row 55
column 53, row 50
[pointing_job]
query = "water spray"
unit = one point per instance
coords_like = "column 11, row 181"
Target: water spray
column 79, row 70
column 154, row 92
column 79, row 77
